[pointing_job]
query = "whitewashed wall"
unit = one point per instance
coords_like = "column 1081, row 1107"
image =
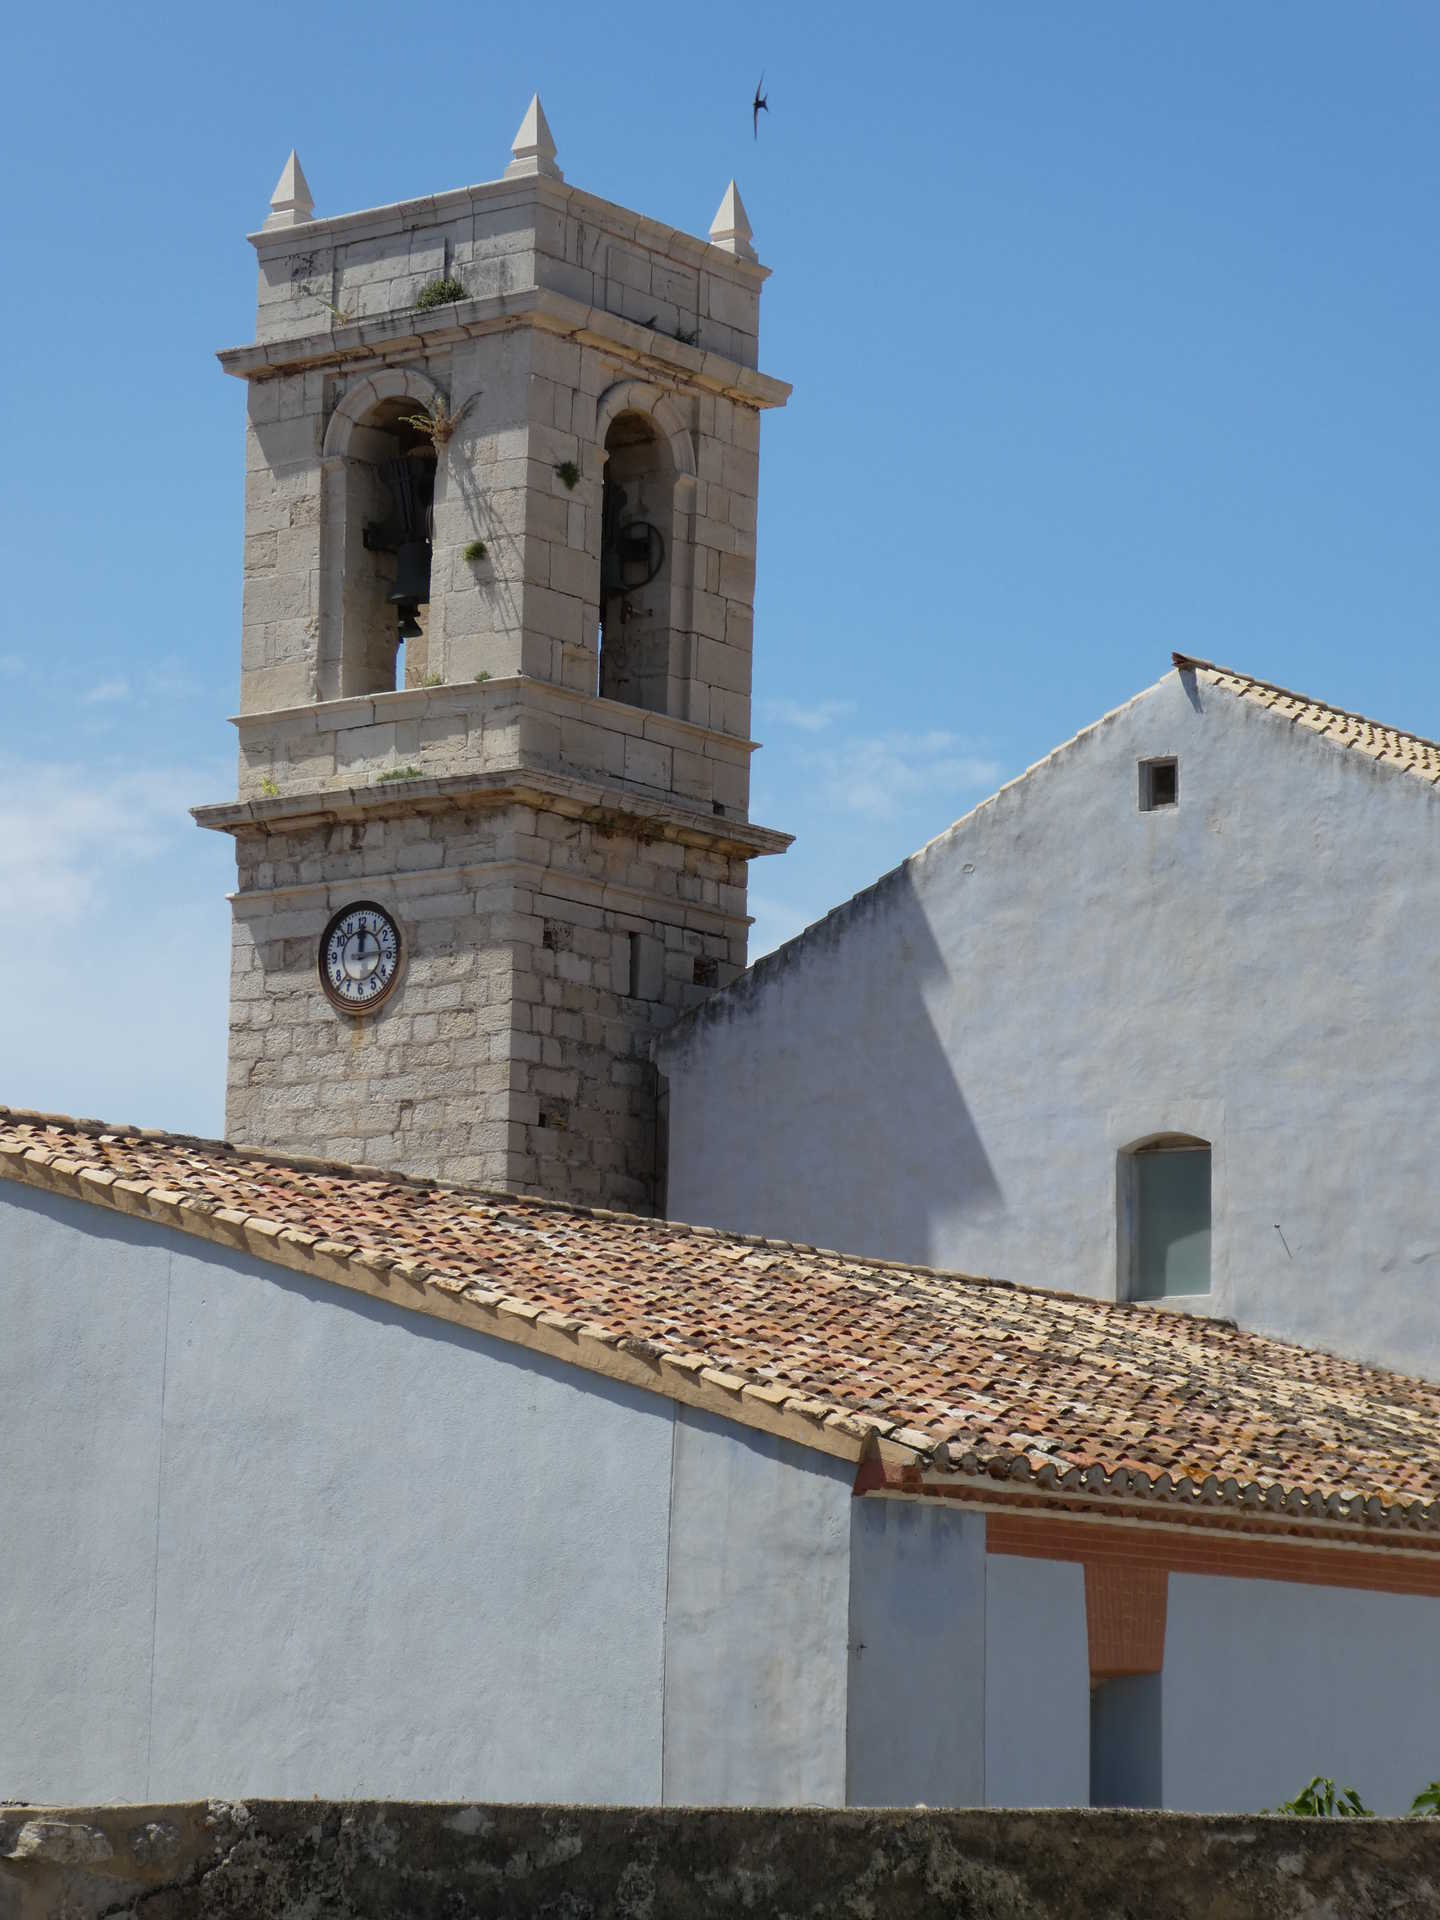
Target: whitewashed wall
column 268, row 1537
column 1265, row 1685
column 265, row 1536
column 756, row 1610
column 1037, row 1684
column 945, row 1069
column 916, row 1730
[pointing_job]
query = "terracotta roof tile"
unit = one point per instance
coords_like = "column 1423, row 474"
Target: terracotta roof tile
column 963, row 1376
column 1391, row 746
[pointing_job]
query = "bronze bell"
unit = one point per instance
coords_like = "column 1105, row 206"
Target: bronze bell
column 412, row 576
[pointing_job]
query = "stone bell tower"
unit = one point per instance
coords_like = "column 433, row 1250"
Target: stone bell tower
column 493, row 829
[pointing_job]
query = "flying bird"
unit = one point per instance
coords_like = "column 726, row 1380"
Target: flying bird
column 758, row 106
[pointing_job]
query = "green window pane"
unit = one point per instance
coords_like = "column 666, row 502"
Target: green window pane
column 1172, row 1204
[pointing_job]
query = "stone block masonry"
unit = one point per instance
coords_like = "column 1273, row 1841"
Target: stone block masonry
column 541, row 954
column 367, row 1860
column 494, row 671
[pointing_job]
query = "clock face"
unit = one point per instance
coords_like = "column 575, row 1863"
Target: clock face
column 360, row 957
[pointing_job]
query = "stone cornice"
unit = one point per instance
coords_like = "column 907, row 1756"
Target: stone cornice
column 576, row 799
column 393, row 336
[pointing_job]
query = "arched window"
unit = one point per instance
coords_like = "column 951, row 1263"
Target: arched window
column 390, row 499
column 637, row 521
column 1164, row 1217
column 380, row 478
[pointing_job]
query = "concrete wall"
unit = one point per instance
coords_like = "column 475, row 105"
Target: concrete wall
column 266, row 1535
column 1266, row 1685
column 946, row 1069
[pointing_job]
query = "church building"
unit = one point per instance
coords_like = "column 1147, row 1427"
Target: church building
column 401, row 1446
column 1143, row 1022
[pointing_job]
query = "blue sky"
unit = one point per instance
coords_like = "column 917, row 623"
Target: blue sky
column 1112, row 329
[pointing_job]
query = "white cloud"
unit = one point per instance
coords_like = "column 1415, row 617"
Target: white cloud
column 113, row 985
column 170, row 678
column 812, row 718
column 107, row 691
column 881, row 776
column 123, row 1015
column 65, row 829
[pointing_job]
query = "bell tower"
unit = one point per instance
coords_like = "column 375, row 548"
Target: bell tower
column 492, row 831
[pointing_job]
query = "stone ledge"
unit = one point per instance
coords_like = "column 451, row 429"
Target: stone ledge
column 372, row 1860
column 409, row 333
column 549, row 792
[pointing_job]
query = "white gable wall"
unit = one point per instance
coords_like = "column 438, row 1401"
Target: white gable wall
column 946, row 1068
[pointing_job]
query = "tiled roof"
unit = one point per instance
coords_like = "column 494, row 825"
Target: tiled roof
column 963, row 1380
column 1390, row 746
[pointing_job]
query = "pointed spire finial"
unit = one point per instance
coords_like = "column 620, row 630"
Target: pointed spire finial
column 730, row 230
column 534, row 146
column 291, row 201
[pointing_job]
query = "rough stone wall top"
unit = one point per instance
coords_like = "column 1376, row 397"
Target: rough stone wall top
column 354, row 1860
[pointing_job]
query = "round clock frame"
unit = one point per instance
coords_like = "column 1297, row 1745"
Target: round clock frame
column 370, row 948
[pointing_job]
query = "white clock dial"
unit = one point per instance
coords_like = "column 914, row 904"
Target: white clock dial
column 360, row 957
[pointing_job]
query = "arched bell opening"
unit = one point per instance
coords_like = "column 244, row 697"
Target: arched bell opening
column 389, row 508
column 636, row 541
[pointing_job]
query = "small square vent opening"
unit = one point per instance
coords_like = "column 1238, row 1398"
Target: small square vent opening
column 1159, row 784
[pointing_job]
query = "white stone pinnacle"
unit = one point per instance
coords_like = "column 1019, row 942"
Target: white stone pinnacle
column 534, row 146
column 291, row 201
column 730, row 230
